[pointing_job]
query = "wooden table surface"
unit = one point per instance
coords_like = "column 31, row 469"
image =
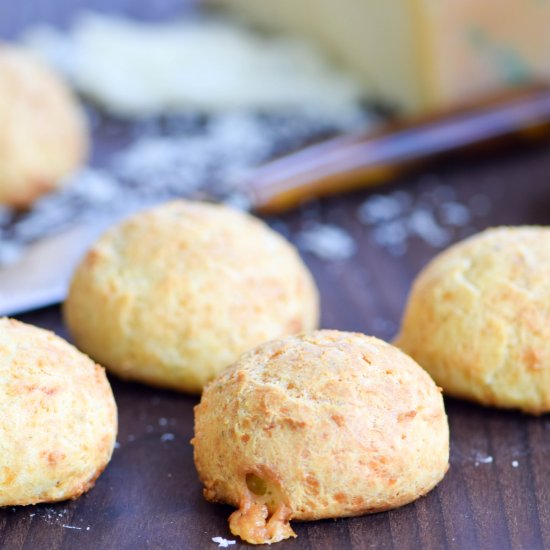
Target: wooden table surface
column 497, row 492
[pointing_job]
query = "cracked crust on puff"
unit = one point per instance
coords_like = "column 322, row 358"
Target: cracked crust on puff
column 58, row 420
column 321, row 425
column 478, row 319
column 175, row 294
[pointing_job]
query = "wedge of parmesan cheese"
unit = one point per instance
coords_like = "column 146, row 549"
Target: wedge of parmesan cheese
column 421, row 54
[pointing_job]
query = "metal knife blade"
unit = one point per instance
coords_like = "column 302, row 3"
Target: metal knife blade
column 41, row 277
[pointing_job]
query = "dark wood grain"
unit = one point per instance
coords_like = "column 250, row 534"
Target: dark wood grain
column 149, row 496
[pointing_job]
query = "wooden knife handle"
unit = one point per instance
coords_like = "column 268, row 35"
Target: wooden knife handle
column 363, row 160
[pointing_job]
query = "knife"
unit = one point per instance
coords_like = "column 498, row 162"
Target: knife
column 41, row 277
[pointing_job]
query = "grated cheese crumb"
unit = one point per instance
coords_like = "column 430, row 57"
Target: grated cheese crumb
column 482, row 459
column 223, row 543
column 434, row 216
column 326, row 241
column 210, row 159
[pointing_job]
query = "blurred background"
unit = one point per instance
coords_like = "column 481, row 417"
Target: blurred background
column 188, row 99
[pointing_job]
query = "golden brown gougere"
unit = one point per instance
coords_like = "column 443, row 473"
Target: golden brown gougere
column 478, row 319
column 321, row 425
column 173, row 295
column 58, row 419
column 43, row 134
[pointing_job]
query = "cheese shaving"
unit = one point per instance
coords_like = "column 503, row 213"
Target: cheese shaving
column 207, row 64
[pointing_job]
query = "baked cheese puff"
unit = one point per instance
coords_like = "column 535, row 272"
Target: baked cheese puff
column 58, row 418
column 175, row 294
column 478, row 319
column 322, row 425
column 43, row 133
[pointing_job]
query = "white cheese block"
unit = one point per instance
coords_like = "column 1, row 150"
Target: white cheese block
column 421, row 54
